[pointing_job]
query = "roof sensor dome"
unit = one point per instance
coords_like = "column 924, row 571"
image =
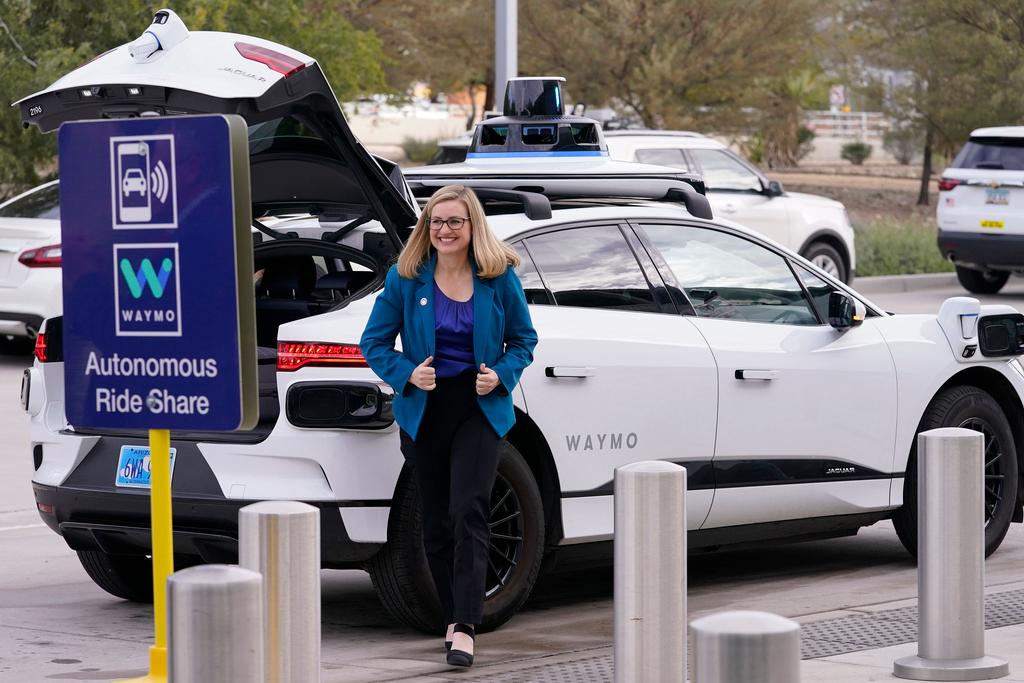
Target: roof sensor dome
column 535, row 96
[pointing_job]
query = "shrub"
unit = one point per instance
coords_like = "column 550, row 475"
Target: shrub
column 804, row 142
column 855, row 152
column 419, row 151
column 903, row 143
column 891, row 247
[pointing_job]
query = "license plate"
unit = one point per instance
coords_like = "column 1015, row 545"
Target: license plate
column 133, row 467
column 993, row 224
column 997, row 197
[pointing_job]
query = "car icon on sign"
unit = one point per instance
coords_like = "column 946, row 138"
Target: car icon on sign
column 133, row 181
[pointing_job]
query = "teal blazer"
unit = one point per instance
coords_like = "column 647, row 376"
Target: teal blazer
column 503, row 339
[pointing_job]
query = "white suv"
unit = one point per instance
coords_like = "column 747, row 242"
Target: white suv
column 981, row 209
column 663, row 335
column 815, row 227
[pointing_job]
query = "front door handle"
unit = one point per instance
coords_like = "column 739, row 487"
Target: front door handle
column 568, row 371
column 766, row 375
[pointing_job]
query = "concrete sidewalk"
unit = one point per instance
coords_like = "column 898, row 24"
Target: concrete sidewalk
column 890, row 622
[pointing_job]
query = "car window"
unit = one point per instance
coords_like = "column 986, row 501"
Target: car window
column 533, row 286
column 722, row 171
column 43, row 203
column 818, row 289
column 727, row 276
column 591, row 267
column 994, row 153
column 663, row 157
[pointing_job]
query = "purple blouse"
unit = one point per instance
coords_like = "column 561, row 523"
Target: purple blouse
column 453, row 323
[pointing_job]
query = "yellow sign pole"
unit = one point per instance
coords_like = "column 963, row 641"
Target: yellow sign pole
column 163, row 550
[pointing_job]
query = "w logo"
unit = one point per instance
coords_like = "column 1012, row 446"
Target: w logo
column 137, row 280
column 153, row 268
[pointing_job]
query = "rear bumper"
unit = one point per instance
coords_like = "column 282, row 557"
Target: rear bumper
column 93, row 514
column 996, row 251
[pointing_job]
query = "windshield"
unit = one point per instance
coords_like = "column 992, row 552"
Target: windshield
column 44, row 202
column 993, row 153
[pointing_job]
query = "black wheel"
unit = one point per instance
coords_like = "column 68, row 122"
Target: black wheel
column 970, row 408
column 828, row 258
column 124, row 576
column 400, row 574
column 981, row 281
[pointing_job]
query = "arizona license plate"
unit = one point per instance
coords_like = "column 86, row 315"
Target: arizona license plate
column 133, row 467
column 993, row 224
column 997, row 197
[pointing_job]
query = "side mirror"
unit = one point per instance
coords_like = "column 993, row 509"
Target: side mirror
column 774, row 188
column 845, row 312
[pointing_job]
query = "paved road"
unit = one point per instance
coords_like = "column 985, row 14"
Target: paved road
column 55, row 625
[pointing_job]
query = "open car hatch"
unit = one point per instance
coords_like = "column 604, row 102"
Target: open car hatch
column 303, row 155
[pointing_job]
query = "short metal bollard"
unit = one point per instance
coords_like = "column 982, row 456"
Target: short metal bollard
column 746, row 647
column 281, row 540
column 216, row 625
column 950, row 561
column 650, row 573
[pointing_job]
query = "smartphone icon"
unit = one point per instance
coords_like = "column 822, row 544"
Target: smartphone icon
column 133, row 182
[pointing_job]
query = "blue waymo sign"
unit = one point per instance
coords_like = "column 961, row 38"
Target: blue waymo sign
column 158, row 304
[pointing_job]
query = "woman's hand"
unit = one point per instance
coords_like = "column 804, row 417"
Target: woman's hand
column 424, row 376
column 486, row 380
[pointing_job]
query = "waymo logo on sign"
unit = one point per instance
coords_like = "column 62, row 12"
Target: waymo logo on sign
column 146, row 290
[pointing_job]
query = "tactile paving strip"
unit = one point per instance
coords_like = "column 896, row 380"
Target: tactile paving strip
column 826, row 638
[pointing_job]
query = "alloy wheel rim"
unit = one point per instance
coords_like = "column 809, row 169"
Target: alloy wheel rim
column 506, row 544
column 995, row 478
column 827, row 264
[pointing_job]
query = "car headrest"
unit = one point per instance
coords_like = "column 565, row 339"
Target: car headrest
column 288, row 277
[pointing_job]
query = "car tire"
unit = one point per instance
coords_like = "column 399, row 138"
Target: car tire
column 400, row 573
column 129, row 577
column 972, row 408
column 828, row 258
column 981, row 281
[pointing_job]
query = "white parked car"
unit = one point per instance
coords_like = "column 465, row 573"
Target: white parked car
column 793, row 401
column 30, row 258
column 981, row 209
column 815, row 227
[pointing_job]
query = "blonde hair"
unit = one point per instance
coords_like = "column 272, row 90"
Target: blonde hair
column 492, row 256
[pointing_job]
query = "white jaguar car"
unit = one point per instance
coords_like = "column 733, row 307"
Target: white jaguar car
column 664, row 334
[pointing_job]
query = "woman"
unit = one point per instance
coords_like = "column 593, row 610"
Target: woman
column 466, row 337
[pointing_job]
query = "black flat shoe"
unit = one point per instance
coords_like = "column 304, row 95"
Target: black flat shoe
column 458, row 657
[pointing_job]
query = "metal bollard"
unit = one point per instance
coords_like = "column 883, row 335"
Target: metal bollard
column 281, row 540
column 950, row 561
column 746, row 647
column 216, row 625
column 650, row 573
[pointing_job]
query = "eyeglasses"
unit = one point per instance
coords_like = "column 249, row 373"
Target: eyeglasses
column 453, row 223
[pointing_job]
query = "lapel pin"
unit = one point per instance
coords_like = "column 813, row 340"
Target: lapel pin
column 423, row 301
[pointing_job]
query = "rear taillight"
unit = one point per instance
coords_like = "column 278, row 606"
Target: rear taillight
column 947, row 184
column 40, row 349
column 43, row 257
column 295, row 355
column 281, row 63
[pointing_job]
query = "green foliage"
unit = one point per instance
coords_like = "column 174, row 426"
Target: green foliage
column 891, row 247
column 41, row 40
column 904, row 142
column 855, row 152
column 419, row 151
column 804, row 142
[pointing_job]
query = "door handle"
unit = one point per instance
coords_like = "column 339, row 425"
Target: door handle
column 766, row 375
column 568, row 371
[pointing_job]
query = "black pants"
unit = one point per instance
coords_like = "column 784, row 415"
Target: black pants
column 455, row 459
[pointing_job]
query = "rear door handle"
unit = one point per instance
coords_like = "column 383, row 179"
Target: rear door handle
column 766, row 375
column 568, row 371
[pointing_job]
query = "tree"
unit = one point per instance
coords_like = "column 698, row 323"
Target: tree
column 41, row 40
column 948, row 67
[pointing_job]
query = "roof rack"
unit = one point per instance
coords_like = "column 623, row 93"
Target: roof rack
column 536, row 206
column 536, row 196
